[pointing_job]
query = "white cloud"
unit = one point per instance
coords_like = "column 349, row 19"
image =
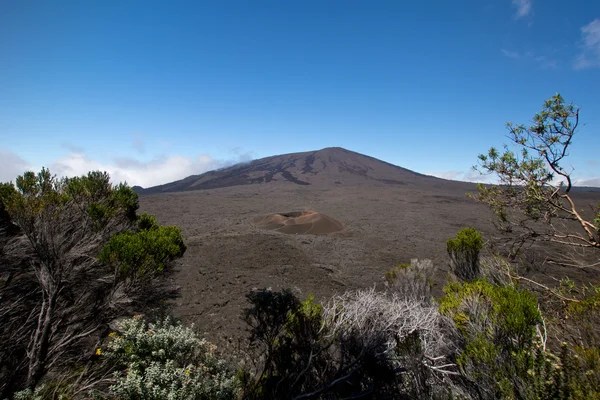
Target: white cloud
column 11, row 165
column 524, row 8
column 171, row 168
column 160, row 170
column 588, row 182
column 241, row 156
column 543, row 62
column 146, row 174
column 445, row 174
column 589, row 57
column 511, row 54
column 469, row 176
column 476, row 177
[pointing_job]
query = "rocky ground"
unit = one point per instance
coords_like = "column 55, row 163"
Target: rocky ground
column 228, row 255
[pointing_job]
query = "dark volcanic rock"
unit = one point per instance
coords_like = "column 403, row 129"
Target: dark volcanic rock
column 328, row 167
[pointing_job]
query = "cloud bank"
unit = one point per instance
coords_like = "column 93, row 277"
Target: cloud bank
column 157, row 171
column 11, row 165
column 165, row 169
column 473, row 176
column 468, row 176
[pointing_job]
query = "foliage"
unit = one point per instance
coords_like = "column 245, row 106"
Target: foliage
column 140, row 342
column 58, row 235
column 45, row 391
column 529, row 202
column 60, row 292
column 102, row 199
column 403, row 333
column 144, row 252
column 533, row 202
column 268, row 314
column 286, row 330
column 464, row 253
column 412, row 280
column 584, row 314
column 504, row 346
column 498, row 326
column 7, row 191
column 580, row 372
column 165, row 361
column 503, row 314
column 360, row 344
column 392, row 275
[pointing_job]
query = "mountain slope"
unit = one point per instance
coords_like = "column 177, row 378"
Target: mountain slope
column 328, row 167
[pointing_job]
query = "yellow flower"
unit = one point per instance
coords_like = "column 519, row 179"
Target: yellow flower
column 112, row 334
column 187, row 371
column 98, row 351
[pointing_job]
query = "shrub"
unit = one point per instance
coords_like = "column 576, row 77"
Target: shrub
column 144, row 252
column 412, row 280
column 362, row 344
column 504, row 314
column 533, row 198
column 502, row 349
column 268, row 314
column 48, row 390
column 464, row 253
column 59, row 293
column 391, row 276
column 580, row 372
column 165, row 361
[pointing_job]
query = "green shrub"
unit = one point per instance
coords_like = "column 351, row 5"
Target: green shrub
column 105, row 198
column 498, row 328
column 308, row 313
column 165, row 361
column 7, row 191
column 580, row 372
column 40, row 393
column 412, row 280
column 55, row 390
column 464, row 253
column 146, row 222
column 503, row 314
column 145, row 252
column 60, row 289
column 391, row 276
column 363, row 344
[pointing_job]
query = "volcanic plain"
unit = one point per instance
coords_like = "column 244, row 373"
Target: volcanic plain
column 248, row 227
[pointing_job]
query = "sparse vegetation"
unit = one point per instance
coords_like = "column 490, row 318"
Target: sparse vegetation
column 58, row 294
column 365, row 343
column 78, row 261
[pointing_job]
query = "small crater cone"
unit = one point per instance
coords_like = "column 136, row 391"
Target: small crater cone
column 300, row 223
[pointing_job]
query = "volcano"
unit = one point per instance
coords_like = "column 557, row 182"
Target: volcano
column 329, row 167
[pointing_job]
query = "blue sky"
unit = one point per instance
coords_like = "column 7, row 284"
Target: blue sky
column 155, row 91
